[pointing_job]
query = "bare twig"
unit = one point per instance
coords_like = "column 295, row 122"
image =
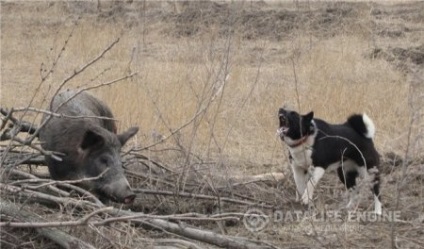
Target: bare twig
column 103, row 84
column 86, row 179
column 48, row 183
column 295, row 82
column 134, row 152
column 58, row 115
column 175, row 131
column 74, row 74
column 200, row 196
column 59, row 55
column 30, row 158
column 399, row 184
column 31, row 177
column 52, row 154
column 83, row 68
column 23, row 126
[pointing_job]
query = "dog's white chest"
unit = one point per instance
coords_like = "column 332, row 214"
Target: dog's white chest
column 301, row 156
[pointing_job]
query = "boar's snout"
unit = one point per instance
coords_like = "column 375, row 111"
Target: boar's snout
column 129, row 199
column 120, row 191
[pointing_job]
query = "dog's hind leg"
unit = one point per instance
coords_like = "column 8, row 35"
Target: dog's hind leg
column 375, row 181
column 301, row 176
column 317, row 174
column 376, row 190
column 349, row 180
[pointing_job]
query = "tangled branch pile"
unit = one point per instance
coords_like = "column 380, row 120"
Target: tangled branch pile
column 22, row 186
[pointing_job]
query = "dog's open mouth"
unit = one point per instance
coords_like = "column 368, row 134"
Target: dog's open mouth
column 284, row 125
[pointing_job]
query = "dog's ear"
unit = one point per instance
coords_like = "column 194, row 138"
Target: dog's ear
column 307, row 119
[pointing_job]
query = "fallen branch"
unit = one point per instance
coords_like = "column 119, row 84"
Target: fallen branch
column 234, row 181
column 52, row 182
column 52, row 154
column 195, row 233
column 23, row 125
column 14, row 158
column 85, row 220
column 7, row 208
column 37, row 224
column 26, row 194
column 176, row 228
column 32, row 177
column 49, row 184
column 199, row 196
column 173, row 243
column 273, row 176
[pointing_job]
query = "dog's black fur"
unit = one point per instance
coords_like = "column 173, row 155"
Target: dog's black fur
column 332, row 143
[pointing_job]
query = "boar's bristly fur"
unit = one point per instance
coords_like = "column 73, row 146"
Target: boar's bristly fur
column 86, row 135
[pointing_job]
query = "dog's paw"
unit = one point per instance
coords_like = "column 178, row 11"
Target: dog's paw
column 352, row 205
column 305, row 199
column 297, row 197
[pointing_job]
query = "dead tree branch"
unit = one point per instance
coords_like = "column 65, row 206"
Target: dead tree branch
column 199, row 196
column 61, row 238
column 20, row 192
column 22, row 126
column 181, row 229
column 58, row 115
column 195, row 233
column 85, row 220
column 49, row 184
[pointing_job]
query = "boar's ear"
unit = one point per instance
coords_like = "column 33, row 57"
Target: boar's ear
column 125, row 136
column 91, row 139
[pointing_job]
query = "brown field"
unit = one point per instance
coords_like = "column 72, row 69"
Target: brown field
column 209, row 77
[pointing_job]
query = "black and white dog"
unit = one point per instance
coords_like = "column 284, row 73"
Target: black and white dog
column 347, row 148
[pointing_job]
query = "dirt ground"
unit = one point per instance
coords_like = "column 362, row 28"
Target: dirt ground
column 234, row 63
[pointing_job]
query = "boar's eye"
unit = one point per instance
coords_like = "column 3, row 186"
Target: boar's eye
column 104, row 160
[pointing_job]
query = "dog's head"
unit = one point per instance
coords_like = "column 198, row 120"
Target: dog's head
column 293, row 126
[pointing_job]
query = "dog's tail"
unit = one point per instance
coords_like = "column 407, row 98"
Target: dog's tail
column 362, row 124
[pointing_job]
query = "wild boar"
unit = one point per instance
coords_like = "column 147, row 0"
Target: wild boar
column 90, row 145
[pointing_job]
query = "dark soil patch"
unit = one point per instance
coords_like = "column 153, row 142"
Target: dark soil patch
column 264, row 22
column 402, row 58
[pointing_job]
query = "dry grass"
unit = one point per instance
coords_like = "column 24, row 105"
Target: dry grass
column 230, row 83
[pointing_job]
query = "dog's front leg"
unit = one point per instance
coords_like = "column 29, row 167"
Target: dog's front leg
column 317, row 174
column 300, row 178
